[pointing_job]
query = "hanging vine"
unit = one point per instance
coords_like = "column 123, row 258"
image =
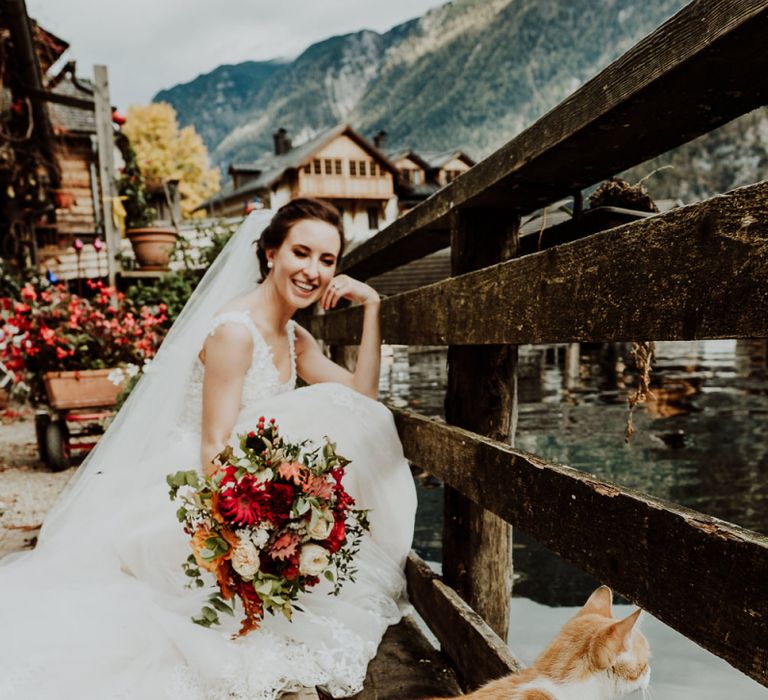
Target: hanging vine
column 643, row 354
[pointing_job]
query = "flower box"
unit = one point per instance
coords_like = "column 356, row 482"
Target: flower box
column 80, row 388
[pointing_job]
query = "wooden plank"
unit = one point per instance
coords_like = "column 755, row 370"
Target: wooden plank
column 408, row 666
column 700, row 271
column 481, row 396
column 396, row 245
column 712, row 51
column 704, row 577
column 478, row 653
column 106, row 168
column 67, row 100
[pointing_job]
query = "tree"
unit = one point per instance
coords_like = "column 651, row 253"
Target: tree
column 166, row 152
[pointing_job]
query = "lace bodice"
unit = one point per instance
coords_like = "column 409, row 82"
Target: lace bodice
column 262, row 379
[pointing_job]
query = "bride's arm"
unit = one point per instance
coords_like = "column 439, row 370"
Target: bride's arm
column 314, row 367
column 227, row 357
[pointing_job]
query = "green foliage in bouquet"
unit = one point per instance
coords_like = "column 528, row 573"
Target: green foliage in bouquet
column 271, row 521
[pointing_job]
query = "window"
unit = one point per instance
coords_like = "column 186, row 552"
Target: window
column 318, row 166
column 337, row 166
column 451, row 175
column 362, row 168
column 417, row 180
column 373, row 218
column 328, row 166
column 406, row 173
column 373, row 168
column 308, row 168
column 353, row 168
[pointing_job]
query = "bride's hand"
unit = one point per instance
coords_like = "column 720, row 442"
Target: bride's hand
column 344, row 287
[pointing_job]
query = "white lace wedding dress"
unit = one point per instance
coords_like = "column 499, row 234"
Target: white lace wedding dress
column 100, row 611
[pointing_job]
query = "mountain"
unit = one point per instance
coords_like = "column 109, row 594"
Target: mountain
column 469, row 74
column 215, row 103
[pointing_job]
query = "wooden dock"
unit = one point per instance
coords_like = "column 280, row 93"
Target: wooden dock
column 697, row 272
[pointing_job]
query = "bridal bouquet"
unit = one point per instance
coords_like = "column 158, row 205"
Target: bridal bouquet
column 268, row 524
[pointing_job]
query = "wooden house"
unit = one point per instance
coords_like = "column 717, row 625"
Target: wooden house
column 77, row 201
column 337, row 165
column 422, row 174
column 59, row 154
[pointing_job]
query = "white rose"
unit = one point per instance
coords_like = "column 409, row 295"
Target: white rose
column 312, row 560
column 259, row 537
column 245, row 559
column 322, row 528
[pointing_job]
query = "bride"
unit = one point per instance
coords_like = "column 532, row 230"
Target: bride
column 99, row 610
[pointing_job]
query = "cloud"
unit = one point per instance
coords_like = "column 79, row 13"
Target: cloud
column 148, row 46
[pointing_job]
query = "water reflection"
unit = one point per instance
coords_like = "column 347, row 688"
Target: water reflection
column 701, row 441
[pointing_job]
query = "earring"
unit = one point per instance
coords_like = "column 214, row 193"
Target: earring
column 270, row 264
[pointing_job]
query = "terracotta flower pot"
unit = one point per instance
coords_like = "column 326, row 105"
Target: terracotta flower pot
column 64, row 199
column 80, row 388
column 152, row 246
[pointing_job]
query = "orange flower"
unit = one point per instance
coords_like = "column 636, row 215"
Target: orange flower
column 198, row 543
column 292, row 471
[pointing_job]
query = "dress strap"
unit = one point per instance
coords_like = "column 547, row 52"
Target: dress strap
column 292, row 349
column 241, row 317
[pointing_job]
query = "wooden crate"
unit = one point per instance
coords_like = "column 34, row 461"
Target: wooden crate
column 80, row 389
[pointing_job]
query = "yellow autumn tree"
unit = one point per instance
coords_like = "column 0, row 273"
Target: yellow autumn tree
column 166, row 152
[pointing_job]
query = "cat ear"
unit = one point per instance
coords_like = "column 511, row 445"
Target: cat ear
column 618, row 632
column 612, row 641
column 599, row 603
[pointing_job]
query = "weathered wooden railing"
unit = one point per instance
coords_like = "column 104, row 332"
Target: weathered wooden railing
column 697, row 272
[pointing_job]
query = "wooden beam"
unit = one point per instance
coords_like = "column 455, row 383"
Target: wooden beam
column 700, row 271
column 106, row 148
column 478, row 653
column 408, row 666
column 481, row 396
column 704, row 577
column 396, row 245
column 66, row 100
column 711, row 52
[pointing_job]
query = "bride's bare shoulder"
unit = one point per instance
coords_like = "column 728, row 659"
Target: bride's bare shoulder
column 228, row 340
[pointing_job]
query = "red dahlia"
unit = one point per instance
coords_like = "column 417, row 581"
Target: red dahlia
column 280, row 503
column 244, row 503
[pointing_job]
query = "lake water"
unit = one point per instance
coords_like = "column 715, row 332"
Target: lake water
column 703, row 441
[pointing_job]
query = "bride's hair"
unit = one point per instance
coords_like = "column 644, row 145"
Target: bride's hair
column 289, row 214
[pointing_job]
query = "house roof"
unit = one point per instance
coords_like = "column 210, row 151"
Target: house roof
column 438, row 160
column 272, row 167
column 409, row 153
column 66, row 119
column 49, row 46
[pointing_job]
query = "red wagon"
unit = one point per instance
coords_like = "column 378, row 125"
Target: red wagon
column 80, row 405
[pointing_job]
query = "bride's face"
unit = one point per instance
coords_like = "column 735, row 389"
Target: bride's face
column 303, row 266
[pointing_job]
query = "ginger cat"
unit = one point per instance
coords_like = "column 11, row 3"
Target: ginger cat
column 594, row 657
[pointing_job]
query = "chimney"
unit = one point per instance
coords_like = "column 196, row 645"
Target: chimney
column 282, row 142
column 380, row 140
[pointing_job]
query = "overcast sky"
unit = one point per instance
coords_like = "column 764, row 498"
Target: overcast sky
column 153, row 44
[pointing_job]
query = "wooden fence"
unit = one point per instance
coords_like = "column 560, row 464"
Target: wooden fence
column 697, row 272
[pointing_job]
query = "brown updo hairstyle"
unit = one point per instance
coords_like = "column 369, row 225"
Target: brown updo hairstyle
column 289, row 214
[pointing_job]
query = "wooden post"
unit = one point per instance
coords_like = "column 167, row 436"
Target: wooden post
column 106, row 145
column 572, row 369
column 482, row 397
